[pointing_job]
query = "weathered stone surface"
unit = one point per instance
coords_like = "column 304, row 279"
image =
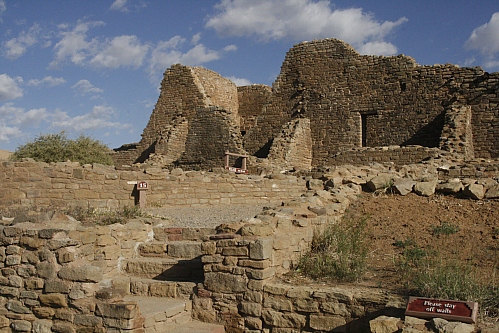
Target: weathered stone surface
column 257, row 230
column 85, row 273
column 384, row 324
column 383, row 181
column 326, row 323
column 251, row 309
column 493, row 192
column 187, row 250
column 17, row 307
column 42, row 326
column 21, row 325
column 225, row 283
column 261, row 249
column 425, row 189
column 403, row 186
column 119, row 310
column 53, row 300
column 474, row 191
column 287, row 320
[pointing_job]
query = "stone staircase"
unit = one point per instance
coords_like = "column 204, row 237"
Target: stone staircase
column 163, row 278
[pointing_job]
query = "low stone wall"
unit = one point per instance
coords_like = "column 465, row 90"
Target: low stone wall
column 98, row 186
column 398, row 155
column 53, row 277
column 241, row 291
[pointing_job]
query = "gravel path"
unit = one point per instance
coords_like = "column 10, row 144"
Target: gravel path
column 207, row 216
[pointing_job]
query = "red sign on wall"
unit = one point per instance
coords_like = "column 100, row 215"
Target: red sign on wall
column 436, row 308
column 142, row 186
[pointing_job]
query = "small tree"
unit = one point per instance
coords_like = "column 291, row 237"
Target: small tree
column 58, row 148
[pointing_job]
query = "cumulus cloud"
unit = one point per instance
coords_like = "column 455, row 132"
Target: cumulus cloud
column 485, row 40
column 98, row 118
column 74, row 46
column 122, row 51
column 3, row 8
column 47, row 80
column 16, row 47
column 15, row 119
column 302, row 20
column 167, row 53
column 239, row 81
column 119, row 5
column 9, row 87
column 84, row 87
column 123, row 5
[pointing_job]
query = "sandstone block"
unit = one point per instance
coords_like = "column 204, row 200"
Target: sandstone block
column 251, row 309
column 384, row 324
column 53, row 300
column 163, row 290
column 257, row 230
column 474, row 191
column 261, row 249
column 493, row 192
column 21, row 325
column 225, row 283
column 17, row 307
column 450, row 187
column 186, row 250
column 120, row 310
column 326, row 323
column 425, row 189
column 85, row 273
column 42, row 326
column 380, row 182
column 315, row 184
column 286, row 320
column 403, row 186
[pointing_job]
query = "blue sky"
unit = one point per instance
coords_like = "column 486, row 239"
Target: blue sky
column 93, row 67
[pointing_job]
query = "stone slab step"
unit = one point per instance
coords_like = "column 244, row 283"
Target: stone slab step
column 172, row 249
column 160, row 313
column 164, row 268
column 155, row 288
column 176, row 234
column 194, row 327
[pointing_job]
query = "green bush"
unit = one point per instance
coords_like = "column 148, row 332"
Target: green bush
column 58, row 148
column 338, row 253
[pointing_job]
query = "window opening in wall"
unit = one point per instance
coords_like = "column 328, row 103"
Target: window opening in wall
column 403, row 86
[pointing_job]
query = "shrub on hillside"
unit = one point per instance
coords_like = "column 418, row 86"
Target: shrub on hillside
column 58, row 148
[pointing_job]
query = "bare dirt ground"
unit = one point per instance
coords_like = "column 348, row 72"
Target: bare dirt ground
column 393, row 219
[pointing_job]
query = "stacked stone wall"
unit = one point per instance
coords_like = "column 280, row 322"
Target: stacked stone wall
column 252, row 100
column 353, row 100
column 98, row 186
column 51, row 277
column 211, row 133
column 391, row 154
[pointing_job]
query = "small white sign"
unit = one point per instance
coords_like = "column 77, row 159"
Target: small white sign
column 132, row 182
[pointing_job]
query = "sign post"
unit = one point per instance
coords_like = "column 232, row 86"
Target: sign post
column 142, row 188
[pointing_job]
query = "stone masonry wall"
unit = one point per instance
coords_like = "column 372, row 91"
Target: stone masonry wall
column 391, row 154
column 211, row 133
column 51, row 277
column 457, row 134
column 252, row 99
column 353, row 100
column 183, row 91
column 98, row 186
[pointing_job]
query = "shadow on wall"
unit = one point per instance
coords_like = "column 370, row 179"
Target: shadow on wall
column 429, row 134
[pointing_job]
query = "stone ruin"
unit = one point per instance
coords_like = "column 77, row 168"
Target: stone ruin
column 328, row 104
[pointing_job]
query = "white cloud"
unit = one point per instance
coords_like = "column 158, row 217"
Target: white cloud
column 47, row 80
column 85, row 87
column 167, row 53
column 16, row 47
column 378, row 48
column 196, row 38
column 7, row 133
column 239, row 81
column 98, row 118
column 3, row 8
column 301, row 20
column 73, row 45
column 20, row 118
column 121, row 51
column 119, row 5
column 9, row 88
column 485, row 38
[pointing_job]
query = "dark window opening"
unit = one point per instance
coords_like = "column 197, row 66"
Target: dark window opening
column 363, row 118
column 243, row 133
column 403, row 86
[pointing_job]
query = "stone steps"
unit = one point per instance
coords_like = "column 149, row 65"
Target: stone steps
column 164, row 268
column 162, row 315
column 172, row 249
column 155, row 288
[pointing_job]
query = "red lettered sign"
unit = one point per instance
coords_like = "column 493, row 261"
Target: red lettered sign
column 142, row 186
column 447, row 309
